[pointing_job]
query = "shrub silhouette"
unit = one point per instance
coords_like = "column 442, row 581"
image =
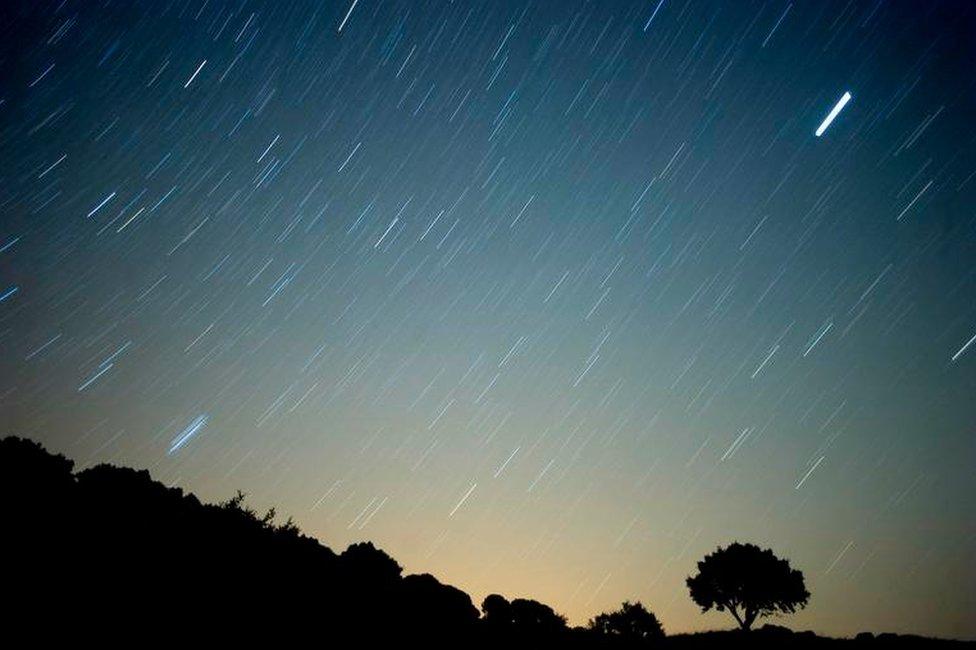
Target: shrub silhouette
column 632, row 626
column 748, row 582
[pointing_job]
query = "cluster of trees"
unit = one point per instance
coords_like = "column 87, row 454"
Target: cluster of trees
column 110, row 547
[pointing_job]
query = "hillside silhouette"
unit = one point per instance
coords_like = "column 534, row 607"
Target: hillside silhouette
column 108, row 552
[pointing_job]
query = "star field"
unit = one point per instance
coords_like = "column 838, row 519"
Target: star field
column 545, row 298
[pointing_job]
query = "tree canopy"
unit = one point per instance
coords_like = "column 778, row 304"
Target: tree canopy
column 749, row 582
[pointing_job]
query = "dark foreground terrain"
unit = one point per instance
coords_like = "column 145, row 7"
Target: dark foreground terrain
column 110, row 554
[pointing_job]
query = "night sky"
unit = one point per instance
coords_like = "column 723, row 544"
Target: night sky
column 548, row 299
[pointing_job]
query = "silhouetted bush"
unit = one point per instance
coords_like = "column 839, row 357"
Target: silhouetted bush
column 631, row 626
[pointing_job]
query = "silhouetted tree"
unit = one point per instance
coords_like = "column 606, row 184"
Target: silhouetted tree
column 748, row 582
column 522, row 623
column 632, row 624
column 435, row 608
column 531, row 614
column 497, row 610
column 370, row 564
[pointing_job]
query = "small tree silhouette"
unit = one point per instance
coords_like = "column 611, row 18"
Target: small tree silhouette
column 749, row 582
column 632, row 624
column 530, row 614
column 497, row 610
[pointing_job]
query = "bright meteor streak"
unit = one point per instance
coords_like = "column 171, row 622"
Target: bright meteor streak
column 841, row 103
column 194, row 427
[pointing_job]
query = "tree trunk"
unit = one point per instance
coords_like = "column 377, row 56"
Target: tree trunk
column 749, row 619
column 738, row 619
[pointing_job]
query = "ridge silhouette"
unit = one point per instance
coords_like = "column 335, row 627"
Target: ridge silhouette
column 109, row 553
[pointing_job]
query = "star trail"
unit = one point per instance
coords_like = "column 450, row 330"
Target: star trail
column 545, row 298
